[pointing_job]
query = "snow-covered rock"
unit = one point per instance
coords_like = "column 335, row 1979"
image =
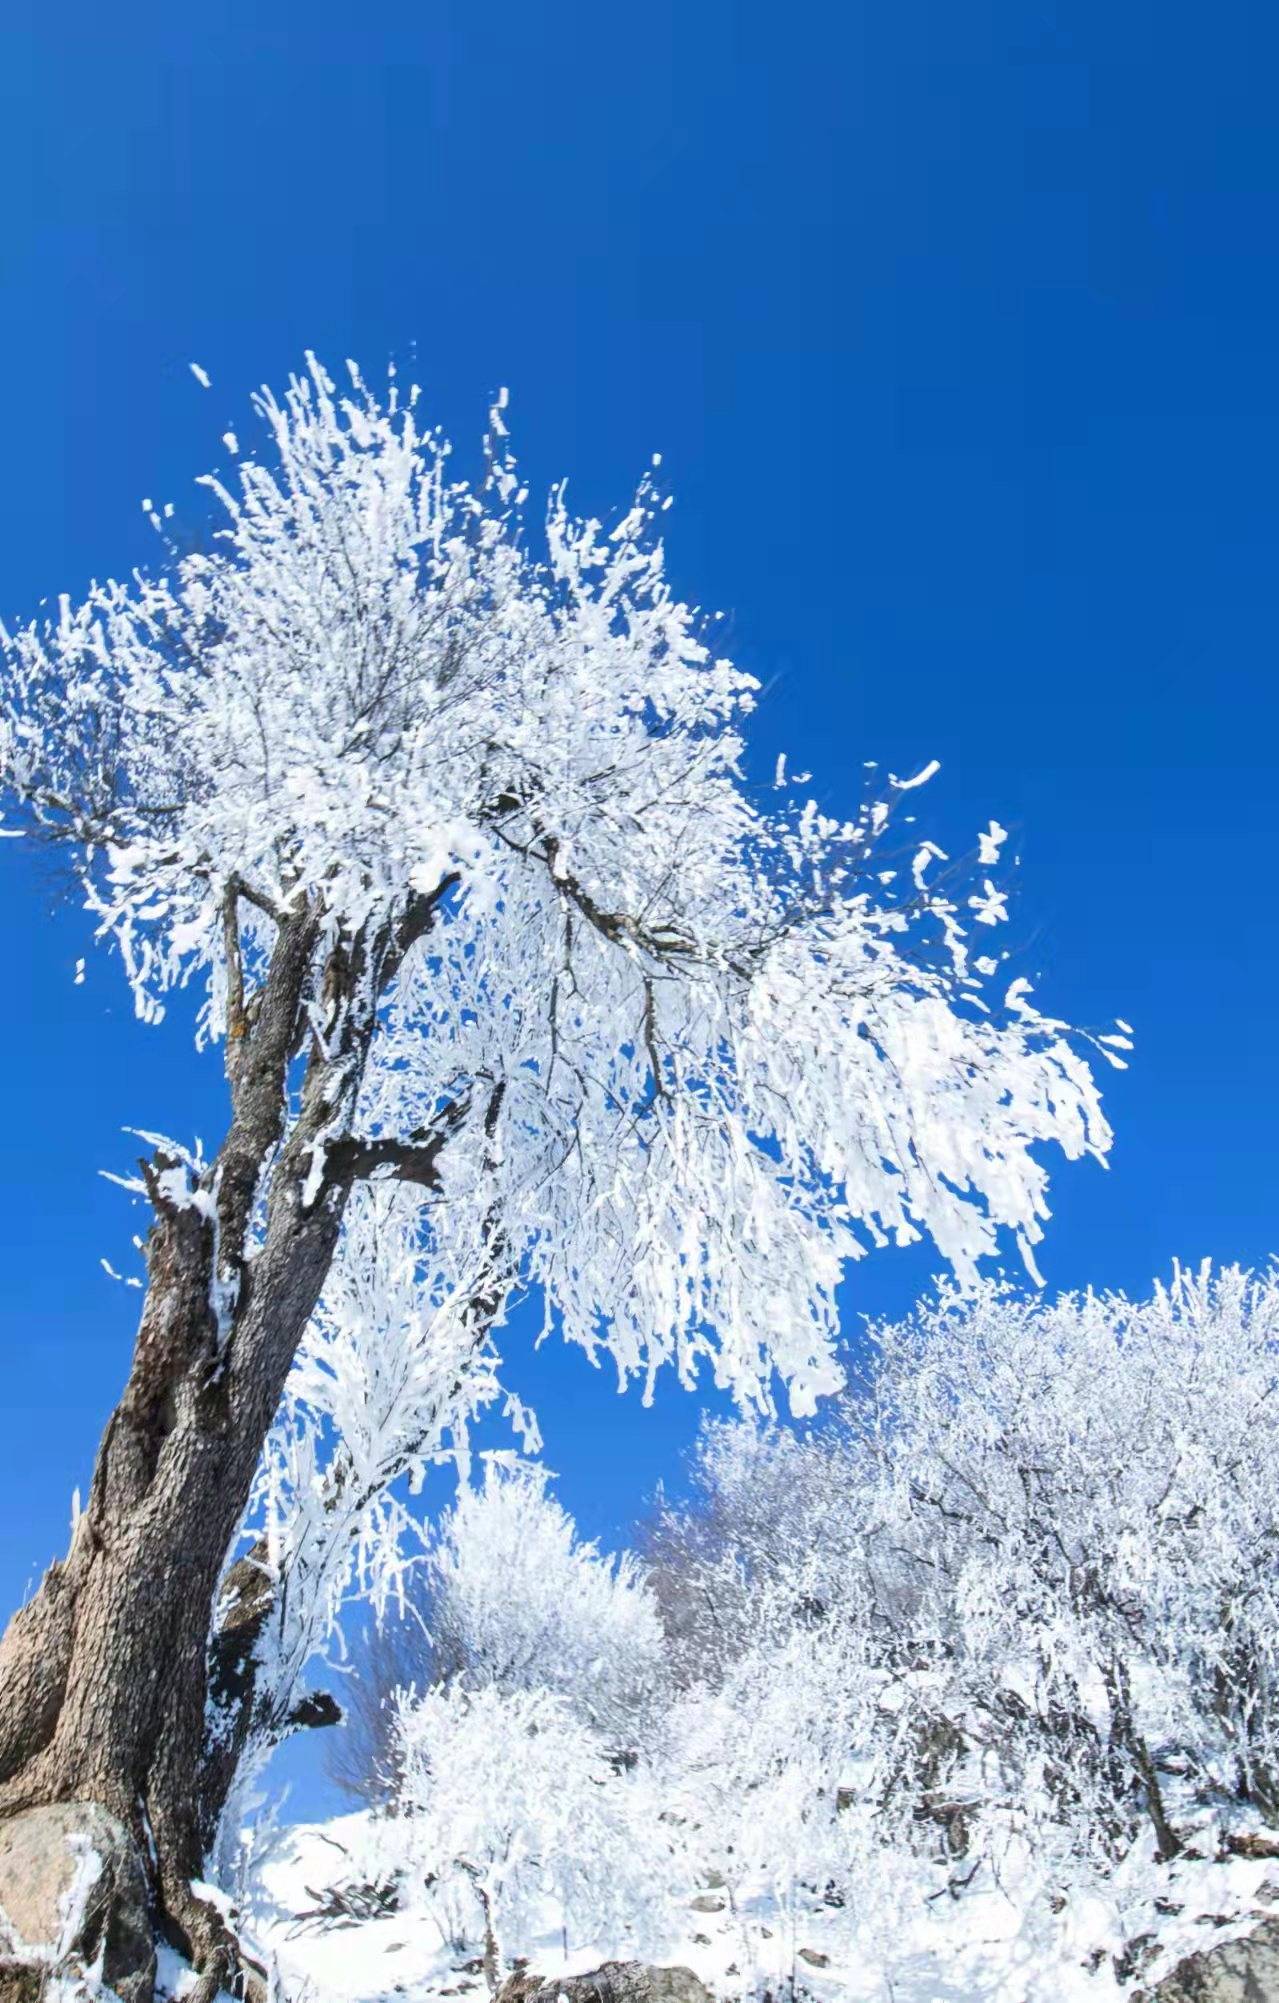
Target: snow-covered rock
column 612, row 1982
column 72, row 1887
column 1239, row 1971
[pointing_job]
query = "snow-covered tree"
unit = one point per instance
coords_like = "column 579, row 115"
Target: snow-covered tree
column 1080, row 1507
column 517, row 1601
column 767, row 1527
column 1052, row 1526
column 450, row 828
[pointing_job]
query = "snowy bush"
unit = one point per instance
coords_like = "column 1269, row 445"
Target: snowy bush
column 510, row 1805
column 506, row 1596
column 776, row 1775
column 1053, row 1529
column 516, row 1602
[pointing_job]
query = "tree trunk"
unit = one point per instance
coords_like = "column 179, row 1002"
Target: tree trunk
column 103, row 1674
column 244, row 1708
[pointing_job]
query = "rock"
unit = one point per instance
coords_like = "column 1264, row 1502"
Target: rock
column 1239, row 1971
column 72, row 1885
column 1254, row 1843
column 612, row 1982
column 707, row 1902
column 22, row 1981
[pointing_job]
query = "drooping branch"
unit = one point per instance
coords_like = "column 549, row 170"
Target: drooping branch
column 618, row 927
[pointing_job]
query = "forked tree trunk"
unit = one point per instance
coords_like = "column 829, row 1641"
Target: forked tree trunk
column 103, row 1674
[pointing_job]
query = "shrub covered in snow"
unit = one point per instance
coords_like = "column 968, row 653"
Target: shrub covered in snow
column 517, row 1601
column 1029, row 1564
column 510, row 1810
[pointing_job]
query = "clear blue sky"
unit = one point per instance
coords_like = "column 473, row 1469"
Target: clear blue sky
column 957, row 328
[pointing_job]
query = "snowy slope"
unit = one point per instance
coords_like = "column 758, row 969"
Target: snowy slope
column 992, row 1943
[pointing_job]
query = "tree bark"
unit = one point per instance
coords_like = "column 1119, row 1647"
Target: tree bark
column 244, row 1709
column 103, row 1674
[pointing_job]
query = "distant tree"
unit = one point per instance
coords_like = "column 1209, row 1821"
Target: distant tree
column 1077, row 1511
column 455, row 836
column 508, row 1597
column 517, row 1601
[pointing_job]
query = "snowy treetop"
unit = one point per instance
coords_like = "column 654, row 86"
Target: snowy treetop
column 695, row 1045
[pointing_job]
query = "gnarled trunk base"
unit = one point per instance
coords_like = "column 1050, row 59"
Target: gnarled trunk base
column 102, row 1694
column 103, row 1674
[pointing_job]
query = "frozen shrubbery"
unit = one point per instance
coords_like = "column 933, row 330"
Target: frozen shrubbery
column 524, row 1781
column 1009, row 1615
column 517, row 1602
column 511, row 1803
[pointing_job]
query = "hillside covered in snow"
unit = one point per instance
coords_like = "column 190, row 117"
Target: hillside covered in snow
column 968, row 1693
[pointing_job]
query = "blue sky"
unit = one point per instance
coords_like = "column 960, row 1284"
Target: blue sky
column 956, row 327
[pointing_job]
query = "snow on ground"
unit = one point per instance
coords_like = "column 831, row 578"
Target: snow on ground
column 981, row 1946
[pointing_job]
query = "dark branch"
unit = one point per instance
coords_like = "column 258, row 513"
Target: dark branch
column 420, row 914
column 389, row 1159
column 317, row 1709
column 237, row 887
column 235, row 1017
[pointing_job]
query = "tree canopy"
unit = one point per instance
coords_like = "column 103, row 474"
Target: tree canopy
column 669, row 1047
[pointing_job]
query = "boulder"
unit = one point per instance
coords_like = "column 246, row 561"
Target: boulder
column 611, row 1982
column 1239, row 1971
column 72, row 1886
column 22, row 1981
